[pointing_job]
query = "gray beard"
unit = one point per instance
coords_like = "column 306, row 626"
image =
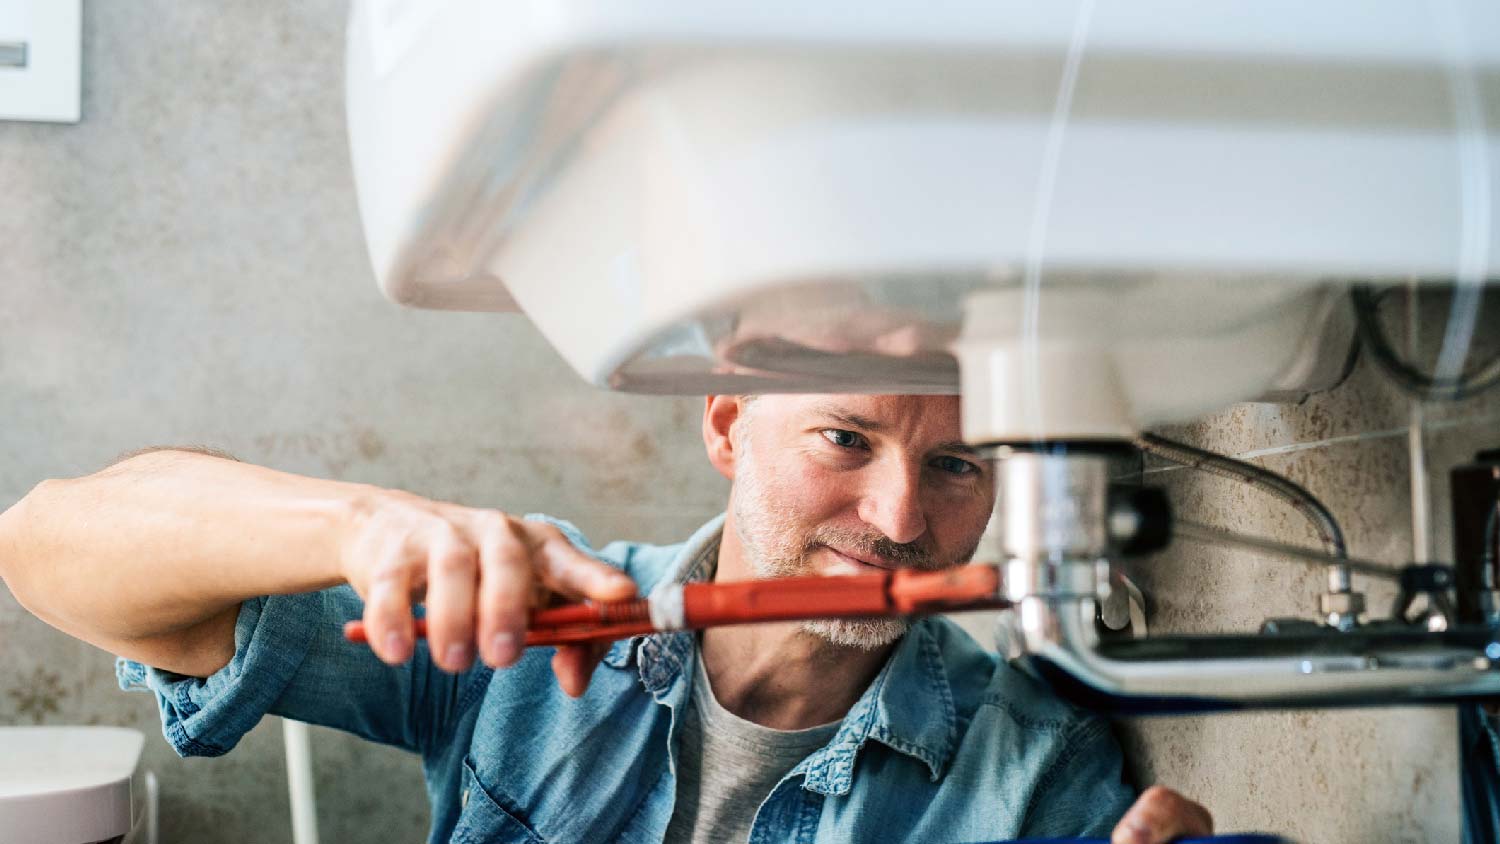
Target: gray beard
column 767, row 531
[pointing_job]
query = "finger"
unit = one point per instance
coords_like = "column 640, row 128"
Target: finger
column 388, row 619
column 452, row 578
column 1161, row 815
column 505, row 588
column 563, row 568
column 574, row 665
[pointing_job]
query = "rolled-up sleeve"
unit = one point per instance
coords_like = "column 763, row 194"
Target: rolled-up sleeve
column 207, row 716
column 291, row 659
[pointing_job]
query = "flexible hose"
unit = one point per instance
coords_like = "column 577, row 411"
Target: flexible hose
column 1285, row 489
column 1409, row 378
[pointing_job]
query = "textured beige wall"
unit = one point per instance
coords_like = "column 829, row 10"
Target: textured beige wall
column 186, row 266
column 1368, row 775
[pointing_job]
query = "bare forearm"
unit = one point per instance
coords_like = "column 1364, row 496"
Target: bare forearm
column 151, row 558
column 168, row 540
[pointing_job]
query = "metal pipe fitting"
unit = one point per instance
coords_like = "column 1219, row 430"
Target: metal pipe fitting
column 1051, row 532
column 1053, row 507
column 1205, row 673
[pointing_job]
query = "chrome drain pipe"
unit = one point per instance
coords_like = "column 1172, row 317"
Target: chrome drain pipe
column 1051, row 531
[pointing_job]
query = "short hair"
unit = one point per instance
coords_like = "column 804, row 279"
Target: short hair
column 207, row 451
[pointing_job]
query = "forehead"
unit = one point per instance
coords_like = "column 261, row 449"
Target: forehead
column 909, row 417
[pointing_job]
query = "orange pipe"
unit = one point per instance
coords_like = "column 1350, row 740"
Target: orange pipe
column 785, row 599
column 898, row 593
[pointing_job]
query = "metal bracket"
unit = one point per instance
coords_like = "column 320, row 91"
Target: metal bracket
column 1124, row 609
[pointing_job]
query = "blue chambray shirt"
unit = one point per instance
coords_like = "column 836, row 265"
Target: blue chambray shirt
column 947, row 744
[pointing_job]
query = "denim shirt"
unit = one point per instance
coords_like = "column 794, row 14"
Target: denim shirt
column 948, row 743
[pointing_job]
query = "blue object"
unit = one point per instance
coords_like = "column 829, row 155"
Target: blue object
column 1231, row 838
column 1479, row 775
column 509, row 757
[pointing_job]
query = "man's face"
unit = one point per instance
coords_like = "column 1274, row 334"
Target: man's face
column 835, row 485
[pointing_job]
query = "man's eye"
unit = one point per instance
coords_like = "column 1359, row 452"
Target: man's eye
column 954, row 465
column 842, row 438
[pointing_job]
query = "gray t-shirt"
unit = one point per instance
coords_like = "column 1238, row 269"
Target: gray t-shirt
column 727, row 766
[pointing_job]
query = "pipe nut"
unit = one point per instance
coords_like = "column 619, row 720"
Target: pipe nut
column 1341, row 609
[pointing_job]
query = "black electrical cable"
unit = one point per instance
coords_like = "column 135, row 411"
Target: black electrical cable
column 1491, row 525
column 1420, row 384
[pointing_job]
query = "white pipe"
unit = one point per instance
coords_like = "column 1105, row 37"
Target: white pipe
column 1421, row 530
column 143, row 803
column 153, row 798
column 299, row 781
column 1416, row 451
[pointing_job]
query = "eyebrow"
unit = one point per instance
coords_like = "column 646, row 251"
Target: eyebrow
column 960, row 447
column 853, row 420
column 864, row 423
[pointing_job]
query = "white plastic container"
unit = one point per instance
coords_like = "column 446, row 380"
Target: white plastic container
column 71, row 785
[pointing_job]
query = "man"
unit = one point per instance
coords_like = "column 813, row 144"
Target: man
column 232, row 582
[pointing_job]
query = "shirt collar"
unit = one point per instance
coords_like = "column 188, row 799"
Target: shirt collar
column 908, row 707
column 661, row 656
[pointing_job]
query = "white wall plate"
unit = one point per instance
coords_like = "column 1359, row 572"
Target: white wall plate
column 40, row 60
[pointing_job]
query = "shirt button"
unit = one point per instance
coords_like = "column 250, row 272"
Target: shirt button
column 463, row 801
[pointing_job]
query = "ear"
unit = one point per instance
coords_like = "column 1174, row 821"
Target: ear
column 719, row 415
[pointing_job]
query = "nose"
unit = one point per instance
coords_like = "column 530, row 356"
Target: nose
column 892, row 502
